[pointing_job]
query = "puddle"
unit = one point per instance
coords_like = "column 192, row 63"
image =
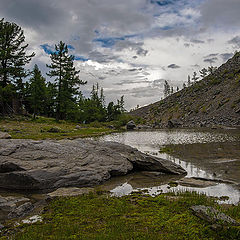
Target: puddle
column 203, row 154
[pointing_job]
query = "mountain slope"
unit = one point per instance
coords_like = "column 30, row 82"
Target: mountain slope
column 215, row 100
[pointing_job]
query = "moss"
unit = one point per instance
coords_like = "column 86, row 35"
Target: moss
column 166, row 149
column 137, row 216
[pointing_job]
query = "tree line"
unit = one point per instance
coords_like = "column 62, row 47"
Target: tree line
column 28, row 92
column 204, row 72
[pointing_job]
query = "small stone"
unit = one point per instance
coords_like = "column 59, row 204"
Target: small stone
column 33, row 219
column 213, row 216
column 131, row 125
column 4, row 135
column 77, row 127
column 21, row 210
column 55, row 130
column 66, row 192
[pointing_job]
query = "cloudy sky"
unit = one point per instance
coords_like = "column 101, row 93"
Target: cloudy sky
column 130, row 46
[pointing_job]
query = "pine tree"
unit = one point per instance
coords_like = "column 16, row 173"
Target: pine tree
column 67, row 80
column 121, row 104
column 195, row 78
column 189, row 81
column 212, row 69
column 37, row 92
column 203, row 72
column 166, row 89
column 51, row 92
column 13, row 58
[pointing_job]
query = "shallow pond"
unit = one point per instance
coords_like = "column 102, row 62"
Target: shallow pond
column 208, row 154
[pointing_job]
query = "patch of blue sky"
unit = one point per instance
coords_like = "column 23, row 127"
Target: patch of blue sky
column 47, row 48
column 166, row 28
column 169, row 3
column 80, row 58
column 70, row 47
column 109, row 42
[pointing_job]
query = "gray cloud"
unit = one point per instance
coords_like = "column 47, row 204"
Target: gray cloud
column 211, row 55
column 60, row 20
column 131, row 45
column 127, row 82
column 235, row 41
column 226, row 56
column 102, row 58
column 195, row 66
column 158, row 82
column 220, row 13
column 146, row 92
column 211, row 60
column 210, row 40
column 197, row 41
column 173, row 66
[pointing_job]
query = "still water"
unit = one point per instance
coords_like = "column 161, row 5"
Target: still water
column 208, row 154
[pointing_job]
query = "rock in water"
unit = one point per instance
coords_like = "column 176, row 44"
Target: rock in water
column 35, row 165
column 213, row 216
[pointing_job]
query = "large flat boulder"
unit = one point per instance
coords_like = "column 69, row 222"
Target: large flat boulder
column 49, row 164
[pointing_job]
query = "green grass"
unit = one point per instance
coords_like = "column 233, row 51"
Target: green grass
column 166, row 149
column 137, row 216
column 38, row 129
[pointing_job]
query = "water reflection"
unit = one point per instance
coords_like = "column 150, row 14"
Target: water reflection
column 217, row 191
column 151, row 141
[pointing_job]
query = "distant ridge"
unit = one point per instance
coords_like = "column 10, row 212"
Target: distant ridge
column 214, row 100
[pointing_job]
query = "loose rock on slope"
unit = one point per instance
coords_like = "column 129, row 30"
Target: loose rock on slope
column 35, row 165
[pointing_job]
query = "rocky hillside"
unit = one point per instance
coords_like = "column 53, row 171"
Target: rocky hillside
column 215, row 100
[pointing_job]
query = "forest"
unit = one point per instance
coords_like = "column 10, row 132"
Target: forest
column 28, row 92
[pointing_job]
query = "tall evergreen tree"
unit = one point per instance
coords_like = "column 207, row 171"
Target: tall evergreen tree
column 166, row 89
column 37, row 92
column 189, row 81
column 66, row 78
column 13, row 58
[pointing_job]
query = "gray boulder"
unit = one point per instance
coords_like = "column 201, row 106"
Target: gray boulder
column 21, row 211
column 49, row 164
column 213, row 216
column 131, row 125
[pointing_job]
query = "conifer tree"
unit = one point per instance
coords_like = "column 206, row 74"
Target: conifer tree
column 67, row 80
column 189, row 81
column 195, row 78
column 13, row 58
column 203, row 72
column 166, row 90
column 37, row 92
